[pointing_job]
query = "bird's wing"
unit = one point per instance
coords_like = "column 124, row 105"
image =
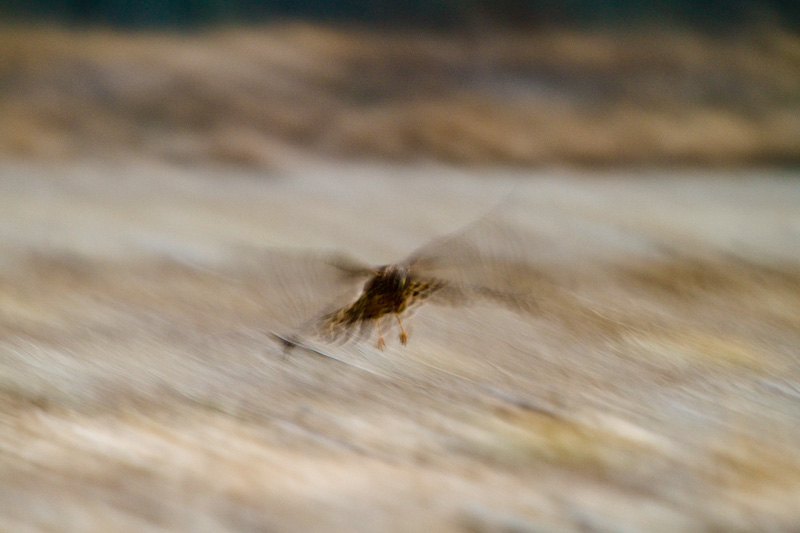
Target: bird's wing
column 487, row 260
column 299, row 287
column 348, row 267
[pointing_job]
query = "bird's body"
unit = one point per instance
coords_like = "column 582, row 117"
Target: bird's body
column 390, row 290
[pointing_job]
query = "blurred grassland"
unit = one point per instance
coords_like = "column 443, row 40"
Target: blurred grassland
column 261, row 97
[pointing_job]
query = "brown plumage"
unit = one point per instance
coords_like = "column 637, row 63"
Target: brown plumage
column 390, row 290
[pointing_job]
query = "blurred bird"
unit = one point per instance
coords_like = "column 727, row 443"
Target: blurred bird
column 391, row 289
column 451, row 270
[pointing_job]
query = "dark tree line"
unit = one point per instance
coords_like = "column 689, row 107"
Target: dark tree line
column 424, row 13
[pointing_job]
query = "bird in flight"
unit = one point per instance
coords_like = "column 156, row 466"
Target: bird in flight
column 390, row 290
column 452, row 270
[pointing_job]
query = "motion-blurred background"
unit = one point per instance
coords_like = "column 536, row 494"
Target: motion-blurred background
column 512, row 82
column 175, row 174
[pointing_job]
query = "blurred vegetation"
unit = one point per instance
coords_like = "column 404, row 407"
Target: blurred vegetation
column 265, row 95
column 420, row 13
column 603, row 82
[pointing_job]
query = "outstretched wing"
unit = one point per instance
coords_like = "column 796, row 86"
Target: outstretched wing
column 486, row 260
column 297, row 288
column 341, row 324
column 348, row 267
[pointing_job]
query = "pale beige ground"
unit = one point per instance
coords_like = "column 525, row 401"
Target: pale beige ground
column 657, row 388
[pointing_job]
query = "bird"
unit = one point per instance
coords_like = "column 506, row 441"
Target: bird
column 452, row 270
column 391, row 289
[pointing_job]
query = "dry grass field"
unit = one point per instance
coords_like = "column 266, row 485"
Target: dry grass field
column 260, row 97
column 656, row 387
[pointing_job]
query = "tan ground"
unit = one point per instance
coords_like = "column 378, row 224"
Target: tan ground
column 656, row 389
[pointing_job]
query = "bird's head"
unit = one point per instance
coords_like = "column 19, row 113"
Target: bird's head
column 393, row 275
